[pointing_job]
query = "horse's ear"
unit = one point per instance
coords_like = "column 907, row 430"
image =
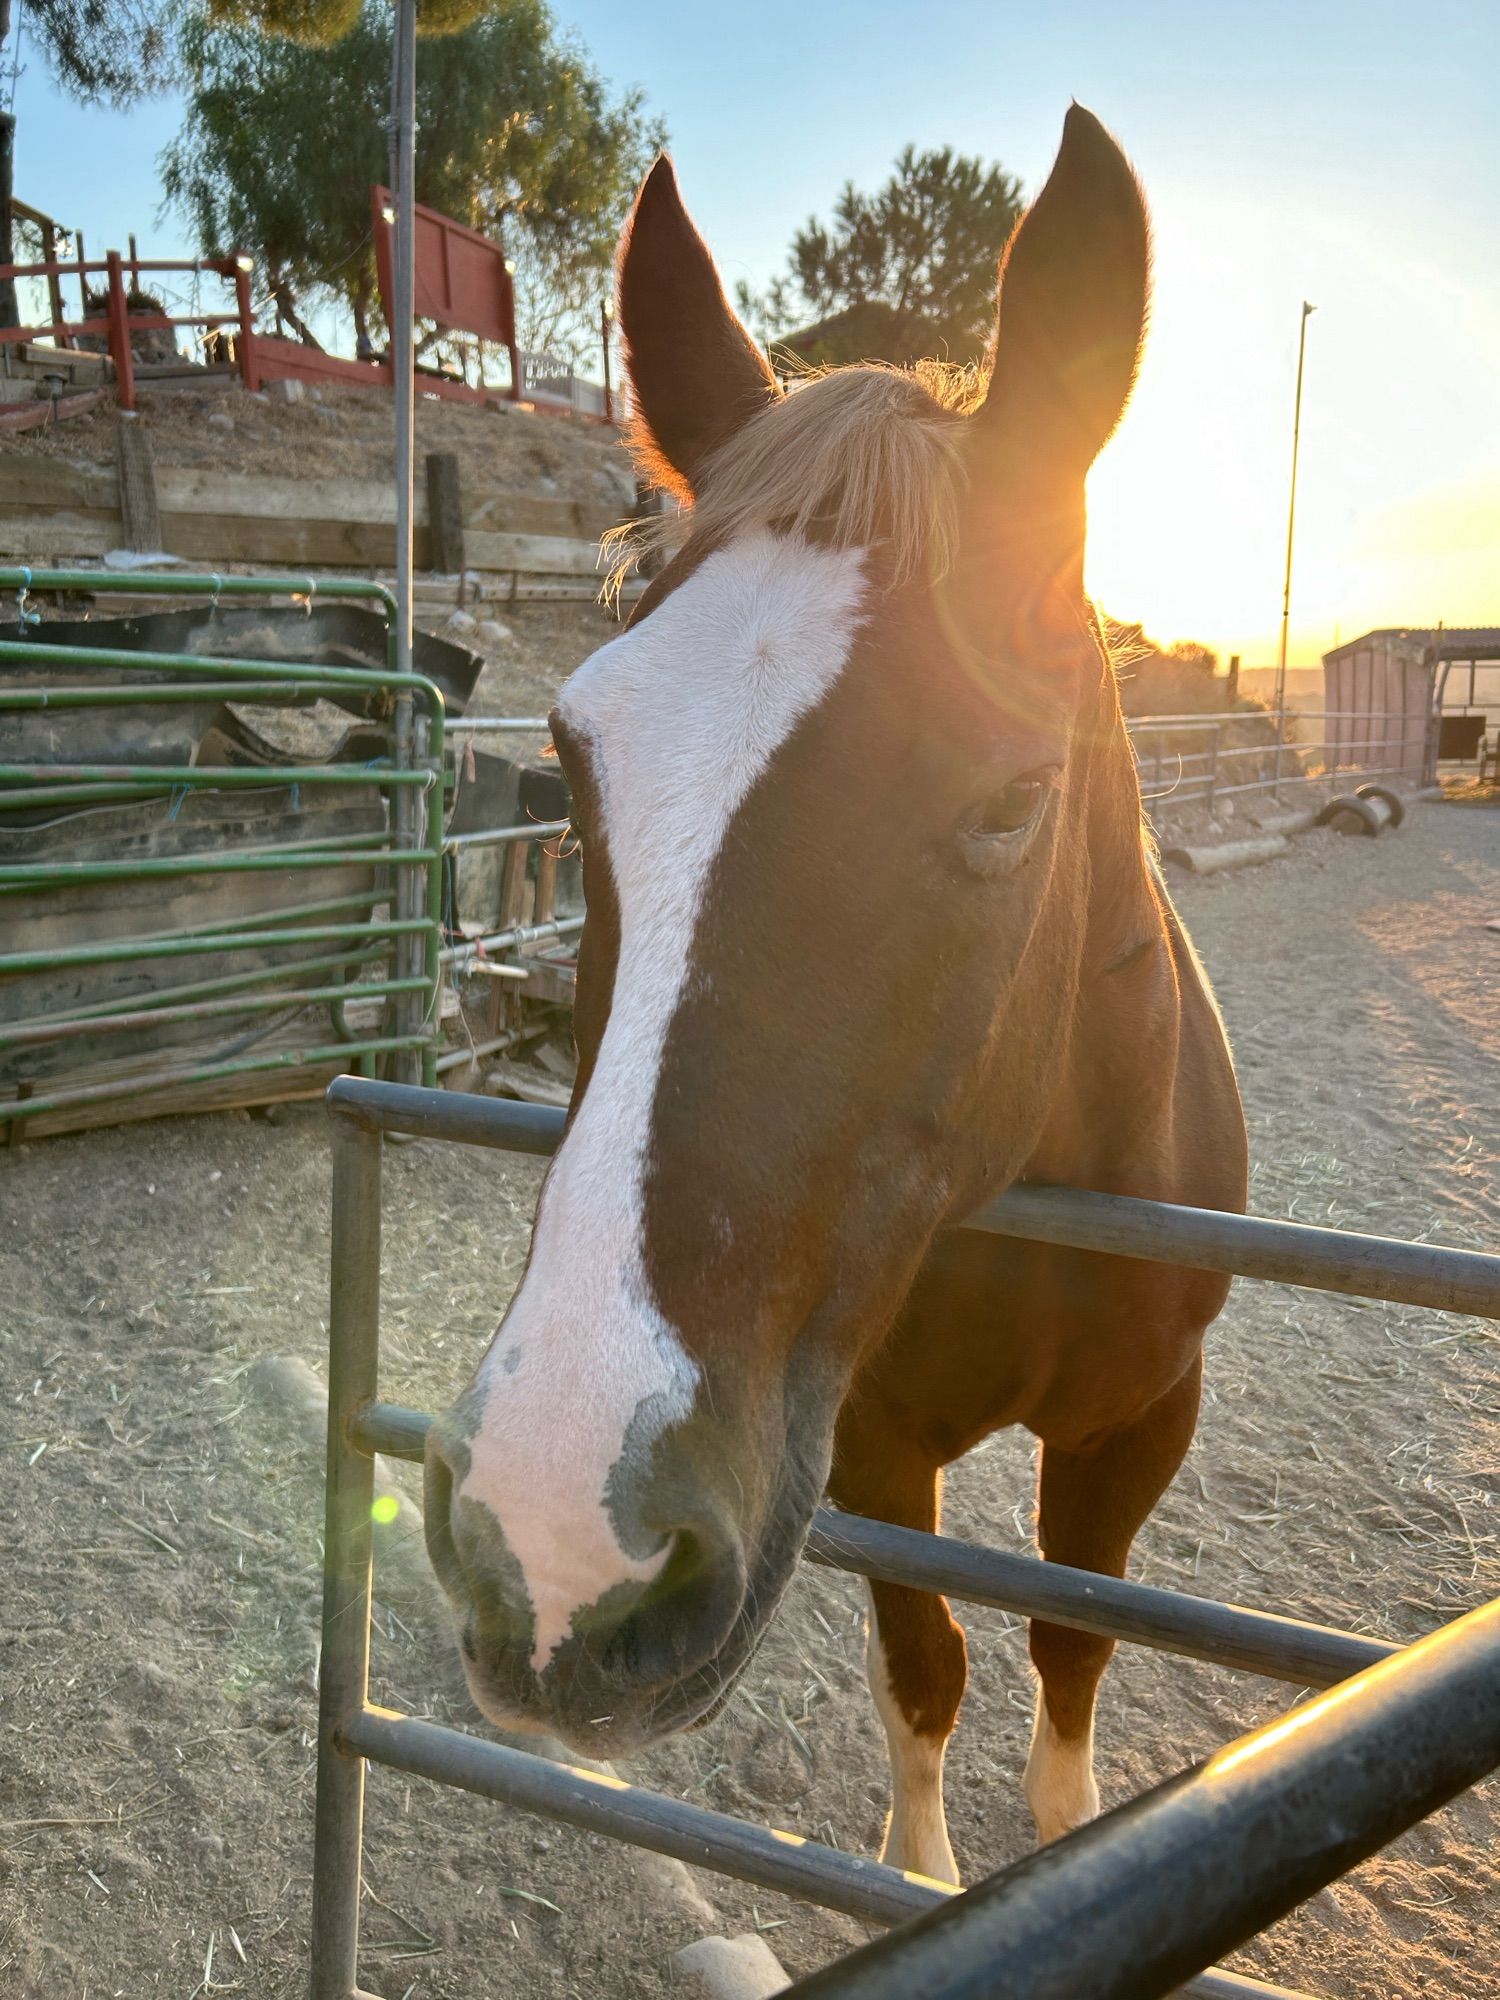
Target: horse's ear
column 696, row 373
column 1073, row 289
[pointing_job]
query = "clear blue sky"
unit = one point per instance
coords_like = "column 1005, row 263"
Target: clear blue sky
column 1345, row 151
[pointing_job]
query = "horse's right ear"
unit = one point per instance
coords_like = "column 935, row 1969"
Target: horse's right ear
column 696, row 373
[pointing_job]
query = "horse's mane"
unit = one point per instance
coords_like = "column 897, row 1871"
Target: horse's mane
column 858, row 457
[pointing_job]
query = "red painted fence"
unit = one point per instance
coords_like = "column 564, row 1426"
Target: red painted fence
column 462, row 281
column 119, row 322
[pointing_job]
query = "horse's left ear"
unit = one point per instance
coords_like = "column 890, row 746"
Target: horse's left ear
column 1073, row 289
column 696, row 373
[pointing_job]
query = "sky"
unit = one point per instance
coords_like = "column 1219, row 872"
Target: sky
column 1339, row 151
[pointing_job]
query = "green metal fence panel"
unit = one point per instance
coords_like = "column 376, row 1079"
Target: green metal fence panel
column 103, row 965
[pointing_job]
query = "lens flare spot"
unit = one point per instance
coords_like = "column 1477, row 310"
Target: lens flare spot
column 385, row 1509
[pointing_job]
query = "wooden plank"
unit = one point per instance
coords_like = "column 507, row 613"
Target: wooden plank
column 137, row 475
column 45, row 482
column 292, row 543
column 445, row 515
column 538, row 514
column 31, row 416
column 195, row 490
column 533, row 555
column 52, row 482
column 28, row 536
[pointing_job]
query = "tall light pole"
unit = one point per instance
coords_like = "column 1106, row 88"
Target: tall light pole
column 606, row 328
column 404, row 807
column 1291, row 514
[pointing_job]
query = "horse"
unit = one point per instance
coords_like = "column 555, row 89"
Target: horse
column 874, row 931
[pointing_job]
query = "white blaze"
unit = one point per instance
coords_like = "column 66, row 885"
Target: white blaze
column 681, row 716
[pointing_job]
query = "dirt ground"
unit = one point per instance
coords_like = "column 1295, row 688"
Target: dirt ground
column 159, row 1622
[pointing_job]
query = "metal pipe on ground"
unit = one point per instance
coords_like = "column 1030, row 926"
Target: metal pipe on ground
column 1228, row 1848
column 1420, row 1274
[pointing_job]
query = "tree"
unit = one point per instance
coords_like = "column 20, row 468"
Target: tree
column 905, row 273
column 516, row 133
column 101, row 52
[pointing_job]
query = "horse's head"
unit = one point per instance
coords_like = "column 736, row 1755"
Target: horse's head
column 839, row 787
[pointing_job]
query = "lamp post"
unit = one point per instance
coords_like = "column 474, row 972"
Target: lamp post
column 404, row 807
column 1291, row 520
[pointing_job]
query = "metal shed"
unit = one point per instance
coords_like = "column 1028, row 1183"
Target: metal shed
column 1395, row 701
column 1378, row 694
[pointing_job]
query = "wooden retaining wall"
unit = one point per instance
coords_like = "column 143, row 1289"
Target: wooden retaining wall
column 51, row 512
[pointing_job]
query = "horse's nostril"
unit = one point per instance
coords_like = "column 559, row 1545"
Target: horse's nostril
column 682, row 1617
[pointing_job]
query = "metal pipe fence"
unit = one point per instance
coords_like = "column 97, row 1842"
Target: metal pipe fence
column 1353, row 744
column 389, row 935
column 1155, row 1937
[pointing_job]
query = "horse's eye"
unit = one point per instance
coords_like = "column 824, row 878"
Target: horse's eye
column 1010, row 810
column 992, row 838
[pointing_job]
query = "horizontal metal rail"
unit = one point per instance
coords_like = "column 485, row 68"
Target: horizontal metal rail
column 182, row 584
column 460, row 955
column 58, row 874
column 1421, row 1274
column 212, row 777
column 500, row 836
column 114, row 694
column 598, row 1802
column 1255, row 1642
column 121, row 950
column 321, row 1057
column 33, row 1033
column 1256, row 1830
column 495, row 725
column 100, row 1013
column 603, row 1804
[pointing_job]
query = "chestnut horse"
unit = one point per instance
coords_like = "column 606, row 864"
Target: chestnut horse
column 874, row 931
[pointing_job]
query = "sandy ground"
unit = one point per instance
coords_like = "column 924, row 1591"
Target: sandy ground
column 158, row 1631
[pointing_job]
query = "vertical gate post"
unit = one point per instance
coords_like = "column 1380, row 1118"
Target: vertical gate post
column 343, row 1679
column 117, row 316
column 245, row 342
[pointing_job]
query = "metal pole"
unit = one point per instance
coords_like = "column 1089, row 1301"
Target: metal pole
column 1160, row 1232
column 403, row 306
column 1245, row 1838
column 354, row 1342
column 1291, row 519
column 1196, row 1628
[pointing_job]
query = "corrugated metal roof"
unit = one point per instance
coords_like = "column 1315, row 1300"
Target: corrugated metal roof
column 1446, row 642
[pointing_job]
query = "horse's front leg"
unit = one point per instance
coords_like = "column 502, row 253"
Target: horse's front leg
column 917, row 1660
column 1091, row 1505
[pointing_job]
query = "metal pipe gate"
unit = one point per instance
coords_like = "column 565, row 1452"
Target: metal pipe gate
column 394, row 958
column 1256, row 1830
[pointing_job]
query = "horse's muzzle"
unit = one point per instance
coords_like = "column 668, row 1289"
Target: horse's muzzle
column 637, row 1663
